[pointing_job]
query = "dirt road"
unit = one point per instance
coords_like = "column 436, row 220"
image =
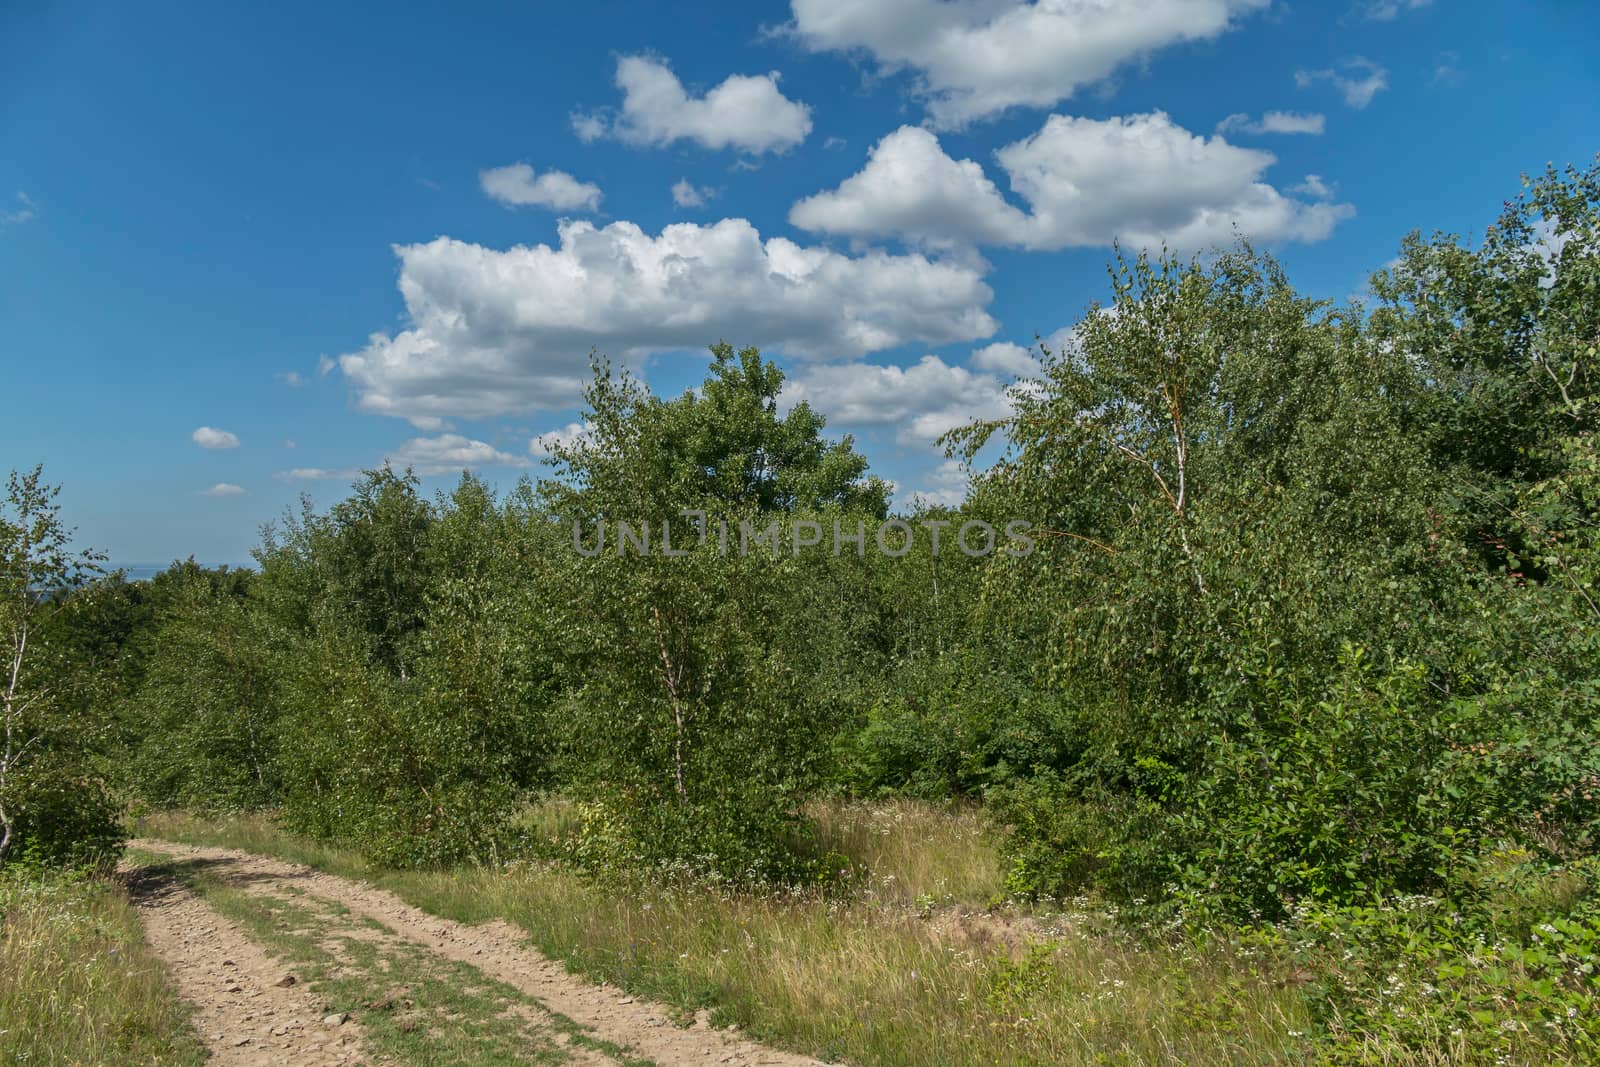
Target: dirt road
column 286, row 964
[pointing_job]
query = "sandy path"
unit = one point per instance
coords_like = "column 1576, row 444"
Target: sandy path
column 248, row 1009
column 500, row 951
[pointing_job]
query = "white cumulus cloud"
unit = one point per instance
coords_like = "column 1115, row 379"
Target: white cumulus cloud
column 449, row 453
column 518, row 185
column 744, row 112
column 1140, row 179
column 223, row 489
column 1315, row 187
column 1006, row 357
column 909, row 187
column 315, row 474
column 446, row 453
column 208, row 437
column 492, row 332
column 921, row 401
column 975, row 58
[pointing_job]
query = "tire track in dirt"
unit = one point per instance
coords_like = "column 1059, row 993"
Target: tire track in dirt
column 248, row 1008
column 500, row 951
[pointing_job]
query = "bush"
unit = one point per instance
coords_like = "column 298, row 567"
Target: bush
column 54, row 805
column 208, row 708
column 1245, row 810
column 953, row 729
column 1512, row 978
column 726, row 839
column 1061, row 844
column 396, row 770
column 64, row 815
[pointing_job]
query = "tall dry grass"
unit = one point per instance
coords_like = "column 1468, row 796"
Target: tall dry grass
column 77, row 983
column 913, row 852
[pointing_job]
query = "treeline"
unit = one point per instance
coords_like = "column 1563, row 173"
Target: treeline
column 1309, row 614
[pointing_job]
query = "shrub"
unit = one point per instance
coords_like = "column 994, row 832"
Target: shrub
column 65, row 816
column 397, row 770
column 953, row 729
column 724, row 839
column 1512, row 978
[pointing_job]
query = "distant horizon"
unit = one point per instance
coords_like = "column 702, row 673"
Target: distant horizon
column 145, row 570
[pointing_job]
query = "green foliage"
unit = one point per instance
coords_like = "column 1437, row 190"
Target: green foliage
column 415, row 641
column 718, row 663
column 55, row 805
column 208, row 703
column 63, row 813
column 1229, row 502
column 1327, row 637
column 1015, row 984
column 1514, row 978
column 727, row 443
column 729, row 838
column 360, row 567
column 942, row 728
column 430, row 785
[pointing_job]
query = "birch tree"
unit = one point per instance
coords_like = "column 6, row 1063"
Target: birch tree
column 37, row 566
column 693, row 710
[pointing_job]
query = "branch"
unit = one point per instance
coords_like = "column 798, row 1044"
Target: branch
column 1101, row 545
column 1573, row 409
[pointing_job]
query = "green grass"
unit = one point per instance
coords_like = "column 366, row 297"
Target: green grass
column 77, row 984
column 875, row 979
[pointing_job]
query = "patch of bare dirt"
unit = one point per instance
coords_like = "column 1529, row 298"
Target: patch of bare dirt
column 501, row 951
column 250, row 1010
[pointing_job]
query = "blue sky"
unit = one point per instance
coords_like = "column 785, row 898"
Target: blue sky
column 225, row 228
